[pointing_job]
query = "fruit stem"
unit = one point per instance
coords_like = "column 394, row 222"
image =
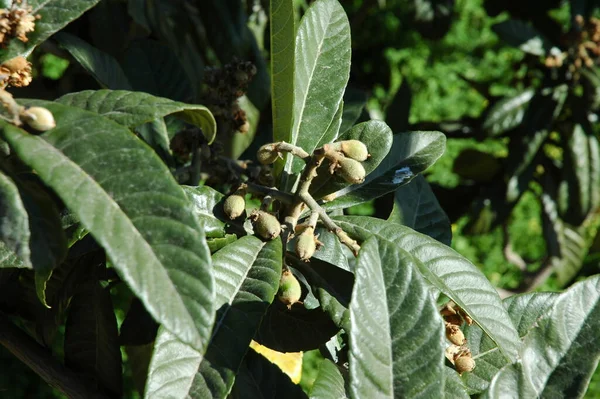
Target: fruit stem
column 269, row 191
column 329, row 223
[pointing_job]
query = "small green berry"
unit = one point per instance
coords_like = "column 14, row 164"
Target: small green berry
column 266, row 154
column 354, row 149
column 306, row 245
column 351, row 170
column 266, row 225
column 289, row 289
column 234, row 206
column 38, row 118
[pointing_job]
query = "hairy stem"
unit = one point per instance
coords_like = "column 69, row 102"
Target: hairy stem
column 269, row 191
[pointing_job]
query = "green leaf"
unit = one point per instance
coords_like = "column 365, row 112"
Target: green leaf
column 522, row 35
column 507, row 113
column 283, row 35
column 54, row 15
column 454, row 387
column 354, row 102
column 566, row 246
column 329, row 383
column 132, row 109
column 411, row 154
column 247, row 276
column 560, row 354
column 215, row 244
column 125, row 196
column 415, row 206
column 331, row 285
column 32, row 219
column 543, row 109
column 376, row 135
column 322, row 69
column 577, row 171
column 260, row 379
column 156, row 135
column 102, row 66
column 153, row 68
column 92, row 338
column 14, row 221
column 247, row 273
column 172, row 368
column 524, row 310
column 240, row 141
column 206, row 201
column 396, row 335
column 448, row 272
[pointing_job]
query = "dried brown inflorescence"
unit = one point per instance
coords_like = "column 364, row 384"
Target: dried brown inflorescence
column 15, row 72
column 16, row 21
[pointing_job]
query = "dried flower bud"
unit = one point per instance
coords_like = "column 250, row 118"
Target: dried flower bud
column 234, row 206
column 464, row 364
column 38, row 118
column 306, row 245
column 454, row 320
column 17, row 72
column 266, row 225
column 455, row 334
column 350, row 170
column 267, row 154
column 289, row 289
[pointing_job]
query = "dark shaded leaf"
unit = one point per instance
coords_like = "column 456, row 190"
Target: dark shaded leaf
column 153, row 68
column 102, row 66
column 92, row 338
column 260, row 379
column 415, row 206
column 522, row 35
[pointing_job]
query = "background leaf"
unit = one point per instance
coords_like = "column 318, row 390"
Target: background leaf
column 153, row 68
column 448, row 272
column 415, row 206
column 92, row 338
column 393, row 317
column 14, row 221
column 147, row 226
column 102, row 66
column 507, row 113
column 54, row 15
column 519, row 34
column 131, row 109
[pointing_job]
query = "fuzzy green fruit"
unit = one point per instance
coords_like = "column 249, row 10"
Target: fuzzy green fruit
column 289, row 289
column 38, row 118
column 266, row 225
column 354, row 149
column 234, row 206
column 350, row 170
column 266, row 154
column 306, row 245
